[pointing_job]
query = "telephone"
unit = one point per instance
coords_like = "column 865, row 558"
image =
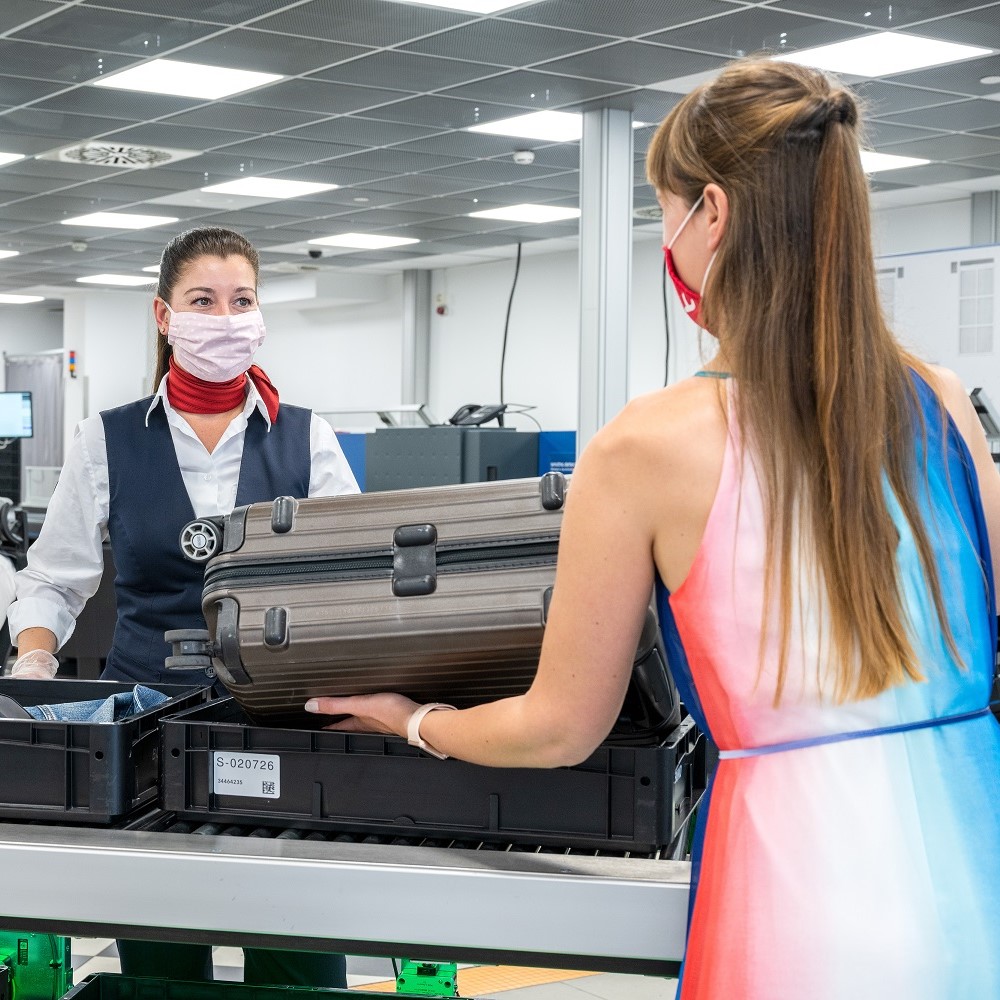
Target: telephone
column 474, row 414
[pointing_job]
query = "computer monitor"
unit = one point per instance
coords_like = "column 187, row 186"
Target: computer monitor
column 988, row 416
column 15, row 415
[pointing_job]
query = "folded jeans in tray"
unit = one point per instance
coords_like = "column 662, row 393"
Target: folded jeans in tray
column 101, row 710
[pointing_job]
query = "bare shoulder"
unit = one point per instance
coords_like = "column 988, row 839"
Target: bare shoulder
column 951, row 392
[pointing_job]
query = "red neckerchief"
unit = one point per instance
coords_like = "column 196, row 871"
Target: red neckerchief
column 191, row 394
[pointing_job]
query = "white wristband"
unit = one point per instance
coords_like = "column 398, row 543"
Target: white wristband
column 413, row 729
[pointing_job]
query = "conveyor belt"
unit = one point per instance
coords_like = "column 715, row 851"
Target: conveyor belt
column 165, row 880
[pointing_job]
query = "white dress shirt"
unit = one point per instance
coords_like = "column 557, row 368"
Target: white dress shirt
column 66, row 562
column 6, row 588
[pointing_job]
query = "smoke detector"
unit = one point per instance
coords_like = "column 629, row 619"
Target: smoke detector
column 117, row 154
column 291, row 267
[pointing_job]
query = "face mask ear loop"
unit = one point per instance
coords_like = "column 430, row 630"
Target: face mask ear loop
column 686, row 220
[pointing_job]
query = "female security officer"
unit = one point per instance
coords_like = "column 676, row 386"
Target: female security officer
column 213, row 436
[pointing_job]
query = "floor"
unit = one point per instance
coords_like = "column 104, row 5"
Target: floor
column 92, row 955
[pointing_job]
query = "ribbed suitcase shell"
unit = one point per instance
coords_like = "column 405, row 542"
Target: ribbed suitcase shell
column 475, row 638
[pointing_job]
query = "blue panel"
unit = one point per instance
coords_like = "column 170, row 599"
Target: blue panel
column 354, row 452
column 556, row 452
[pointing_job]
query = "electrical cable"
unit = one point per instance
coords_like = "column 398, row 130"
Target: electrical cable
column 666, row 326
column 523, row 412
column 506, row 326
column 395, row 969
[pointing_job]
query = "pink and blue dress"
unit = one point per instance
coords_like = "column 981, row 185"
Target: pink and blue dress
column 848, row 851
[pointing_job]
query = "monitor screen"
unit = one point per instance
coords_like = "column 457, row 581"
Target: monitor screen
column 988, row 416
column 15, row 415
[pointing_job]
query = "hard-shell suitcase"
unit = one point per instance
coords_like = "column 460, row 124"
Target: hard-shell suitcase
column 439, row 593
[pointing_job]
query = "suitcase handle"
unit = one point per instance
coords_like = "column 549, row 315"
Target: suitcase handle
column 414, row 560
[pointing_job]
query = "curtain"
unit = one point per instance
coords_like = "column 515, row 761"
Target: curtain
column 41, row 375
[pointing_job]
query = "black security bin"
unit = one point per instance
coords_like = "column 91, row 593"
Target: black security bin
column 217, row 766
column 82, row 772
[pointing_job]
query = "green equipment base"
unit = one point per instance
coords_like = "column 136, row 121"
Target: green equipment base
column 427, row 979
column 34, row 966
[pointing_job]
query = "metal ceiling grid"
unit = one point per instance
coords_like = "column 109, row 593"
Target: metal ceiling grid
column 376, row 98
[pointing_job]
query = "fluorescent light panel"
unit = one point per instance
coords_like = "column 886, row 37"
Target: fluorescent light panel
column 152, row 269
column 875, row 163
column 528, row 213
column 6, row 158
column 883, row 53
column 8, row 253
column 267, row 187
column 115, row 279
column 184, row 79
column 363, row 241
column 19, row 300
column 118, row 220
column 554, row 126
column 472, row 6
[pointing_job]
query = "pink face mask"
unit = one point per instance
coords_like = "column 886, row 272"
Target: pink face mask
column 215, row 348
column 690, row 299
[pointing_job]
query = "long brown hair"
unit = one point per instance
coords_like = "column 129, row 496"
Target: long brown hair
column 824, row 392
column 208, row 241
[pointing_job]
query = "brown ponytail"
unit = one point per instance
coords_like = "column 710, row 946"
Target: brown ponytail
column 824, row 392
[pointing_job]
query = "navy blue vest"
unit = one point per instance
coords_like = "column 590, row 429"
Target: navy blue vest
column 156, row 588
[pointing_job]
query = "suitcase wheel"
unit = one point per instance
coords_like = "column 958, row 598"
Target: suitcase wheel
column 200, row 540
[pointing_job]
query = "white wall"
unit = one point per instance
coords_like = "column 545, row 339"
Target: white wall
column 915, row 228
column 29, row 330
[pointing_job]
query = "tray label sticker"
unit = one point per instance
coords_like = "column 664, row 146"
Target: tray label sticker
column 255, row 775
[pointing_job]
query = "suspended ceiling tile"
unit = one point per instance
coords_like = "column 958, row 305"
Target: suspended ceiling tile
column 242, row 118
column 331, row 172
column 421, row 184
column 881, row 133
column 397, row 160
column 68, row 173
column 353, row 131
column 958, row 117
column 319, row 96
column 288, row 150
column 15, row 13
column 533, row 91
column 15, row 90
column 443, row 112
column 625, row 20
column 882, row 15
column 132, row 34
column 505, row 43
column 26, row 145
column 268, row 52
column 452, row 208
column 880, row 98
column 362, row 22
column 565, row 156
column 634, row 64
column 47, row 62
column 127, row 105
column 403, row 71
column 956, row 78
column 753, row 30
column 991, row 163
column 222, row 12
column 497, row 172
column 174, row 136
column 876, row 186
column 387, row 218
column 974, row 27
column 473, row 145
column 947, row 147
column 64, row 127
column 223, row 166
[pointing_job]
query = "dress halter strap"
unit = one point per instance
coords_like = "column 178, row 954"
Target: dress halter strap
column 860, row 734
column 708, row 373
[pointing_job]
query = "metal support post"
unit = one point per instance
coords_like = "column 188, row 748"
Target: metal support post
column 416, row 335
column 606, row 167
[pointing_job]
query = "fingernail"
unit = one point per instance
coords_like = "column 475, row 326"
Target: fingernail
column 312, row 705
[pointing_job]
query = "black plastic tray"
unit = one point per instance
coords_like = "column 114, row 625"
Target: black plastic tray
column 106, row 986
column 621, row 798
column 81, row 772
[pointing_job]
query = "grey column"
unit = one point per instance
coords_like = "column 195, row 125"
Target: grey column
column 985, row 218
column 606, row 168
column 416, row 336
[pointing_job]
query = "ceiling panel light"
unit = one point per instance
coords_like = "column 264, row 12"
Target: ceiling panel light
column 6, row 158
column 184, row 79
column 472, row 6
column 554, row 126
column 363, row 241
column 152, row 269
column 20, row 300
column 883, row 53
column 268, row 187
column 8, row 253
column 118, row 220
column 874, row 163
column 115, row 279
column 528, row 213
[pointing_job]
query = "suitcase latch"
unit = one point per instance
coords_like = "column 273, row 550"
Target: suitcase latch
column 414, row 560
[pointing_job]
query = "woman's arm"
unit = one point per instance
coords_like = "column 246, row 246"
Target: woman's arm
column 603, row 584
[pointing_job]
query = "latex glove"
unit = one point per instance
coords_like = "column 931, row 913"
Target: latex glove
column 37, row 665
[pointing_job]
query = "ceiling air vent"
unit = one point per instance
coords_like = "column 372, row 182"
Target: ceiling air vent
column 117, row 154
column 649, row 213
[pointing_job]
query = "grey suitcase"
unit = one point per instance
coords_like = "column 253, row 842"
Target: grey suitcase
column 439, row 593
